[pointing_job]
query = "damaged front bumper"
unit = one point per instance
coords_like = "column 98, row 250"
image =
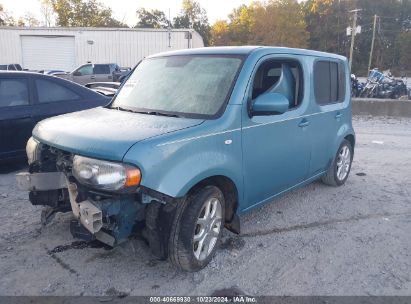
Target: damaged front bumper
column 110, row 220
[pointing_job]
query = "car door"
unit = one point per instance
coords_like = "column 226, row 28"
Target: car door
column 84, row 74
column 328, row 87
column 102, row 73
column 16, row 115
column 276, row 150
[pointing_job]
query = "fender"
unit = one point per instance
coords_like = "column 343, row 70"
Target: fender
column 345, row 130
column 172, row 164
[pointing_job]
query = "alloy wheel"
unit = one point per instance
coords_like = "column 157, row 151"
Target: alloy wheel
column 343, row 163
column 207, row 230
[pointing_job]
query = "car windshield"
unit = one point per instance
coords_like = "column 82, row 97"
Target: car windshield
column 3, row 67
column 189, row 85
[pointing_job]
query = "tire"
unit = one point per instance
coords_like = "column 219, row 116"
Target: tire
column 182, row 246
column 334, row 177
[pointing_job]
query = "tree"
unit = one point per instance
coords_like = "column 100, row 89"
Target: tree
column 5, row 18
column 152, row 19
column 276, row 22
column 46, row 8
column 327, row 21
column 193, row 16
column 220, row 33
column 404, row 54
column 28, row 20
column 279, row 23
column 242, row 20
column 84, row 13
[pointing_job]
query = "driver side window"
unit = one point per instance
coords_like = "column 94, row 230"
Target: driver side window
column 86, row 70
column 280, row 76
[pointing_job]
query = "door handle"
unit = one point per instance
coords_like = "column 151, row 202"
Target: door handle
column 338, row 115
column 93, row 77
column 304, row 123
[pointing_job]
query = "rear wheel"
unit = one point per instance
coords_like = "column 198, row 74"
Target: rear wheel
column 340, row 168
column 197, row 229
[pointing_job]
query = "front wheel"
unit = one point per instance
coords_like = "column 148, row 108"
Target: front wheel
column 197, row 229
column 339, row 169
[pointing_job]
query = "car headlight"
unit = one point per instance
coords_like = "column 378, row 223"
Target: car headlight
column 33, row 150
column 105, row 175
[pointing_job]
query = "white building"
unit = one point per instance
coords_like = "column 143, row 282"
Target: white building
column 66, row 48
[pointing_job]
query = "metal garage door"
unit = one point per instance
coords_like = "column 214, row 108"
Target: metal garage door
column 48, row 53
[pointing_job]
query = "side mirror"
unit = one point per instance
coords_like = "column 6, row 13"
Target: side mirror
column 270, row 104
column 77, row 73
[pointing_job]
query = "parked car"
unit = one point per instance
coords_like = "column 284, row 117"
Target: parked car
column 108, row 89
column 26, row 98
column 92, row 73
column 120, row 73
column 52, row 72
column 192, row 140
column 10, row 67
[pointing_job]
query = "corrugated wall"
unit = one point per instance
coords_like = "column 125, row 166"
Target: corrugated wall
column 123, row 46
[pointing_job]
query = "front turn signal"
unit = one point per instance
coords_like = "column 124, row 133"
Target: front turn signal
column 133, row 177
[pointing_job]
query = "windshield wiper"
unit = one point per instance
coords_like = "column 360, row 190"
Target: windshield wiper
column 146, row 112
column 160, row 114
column 125, row 109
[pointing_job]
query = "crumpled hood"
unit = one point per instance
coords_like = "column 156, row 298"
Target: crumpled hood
column 105, row 133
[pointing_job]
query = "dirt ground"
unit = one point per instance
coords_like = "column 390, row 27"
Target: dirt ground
column 318, row 240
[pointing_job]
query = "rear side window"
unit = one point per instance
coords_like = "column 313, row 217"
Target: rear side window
column 329, row 82
column 101, row 69
column 48, row 91
column 13, row 92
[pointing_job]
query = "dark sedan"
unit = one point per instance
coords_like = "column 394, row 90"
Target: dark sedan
column 27, row 98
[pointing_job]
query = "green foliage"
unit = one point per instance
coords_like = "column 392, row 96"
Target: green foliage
column 151, row 19
column 321, row 25
column 404, row 52
column 327, row 22
column 84, row 13
column 194, row 16
column 279, row 23
column 316, row 24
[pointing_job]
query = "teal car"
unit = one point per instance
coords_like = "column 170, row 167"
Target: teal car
column 192, row 140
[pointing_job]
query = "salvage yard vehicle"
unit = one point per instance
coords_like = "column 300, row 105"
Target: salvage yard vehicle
column 108, row 89
column 11, row 67
column 192, row 140
column 26, row 98
column 87, row 73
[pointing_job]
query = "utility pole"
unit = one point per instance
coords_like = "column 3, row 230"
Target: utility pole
column 372, row 42
column 353, row 32
column 338, row 26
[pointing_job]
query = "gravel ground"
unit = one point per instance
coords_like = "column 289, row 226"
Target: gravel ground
column 318, row 240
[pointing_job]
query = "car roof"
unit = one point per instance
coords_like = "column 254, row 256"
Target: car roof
column 247, row 50
column 19, row 73
column 65, row 82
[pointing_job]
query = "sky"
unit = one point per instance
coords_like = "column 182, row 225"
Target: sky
column 125, row 10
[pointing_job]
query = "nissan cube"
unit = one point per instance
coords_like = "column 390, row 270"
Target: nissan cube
column 192, row 140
